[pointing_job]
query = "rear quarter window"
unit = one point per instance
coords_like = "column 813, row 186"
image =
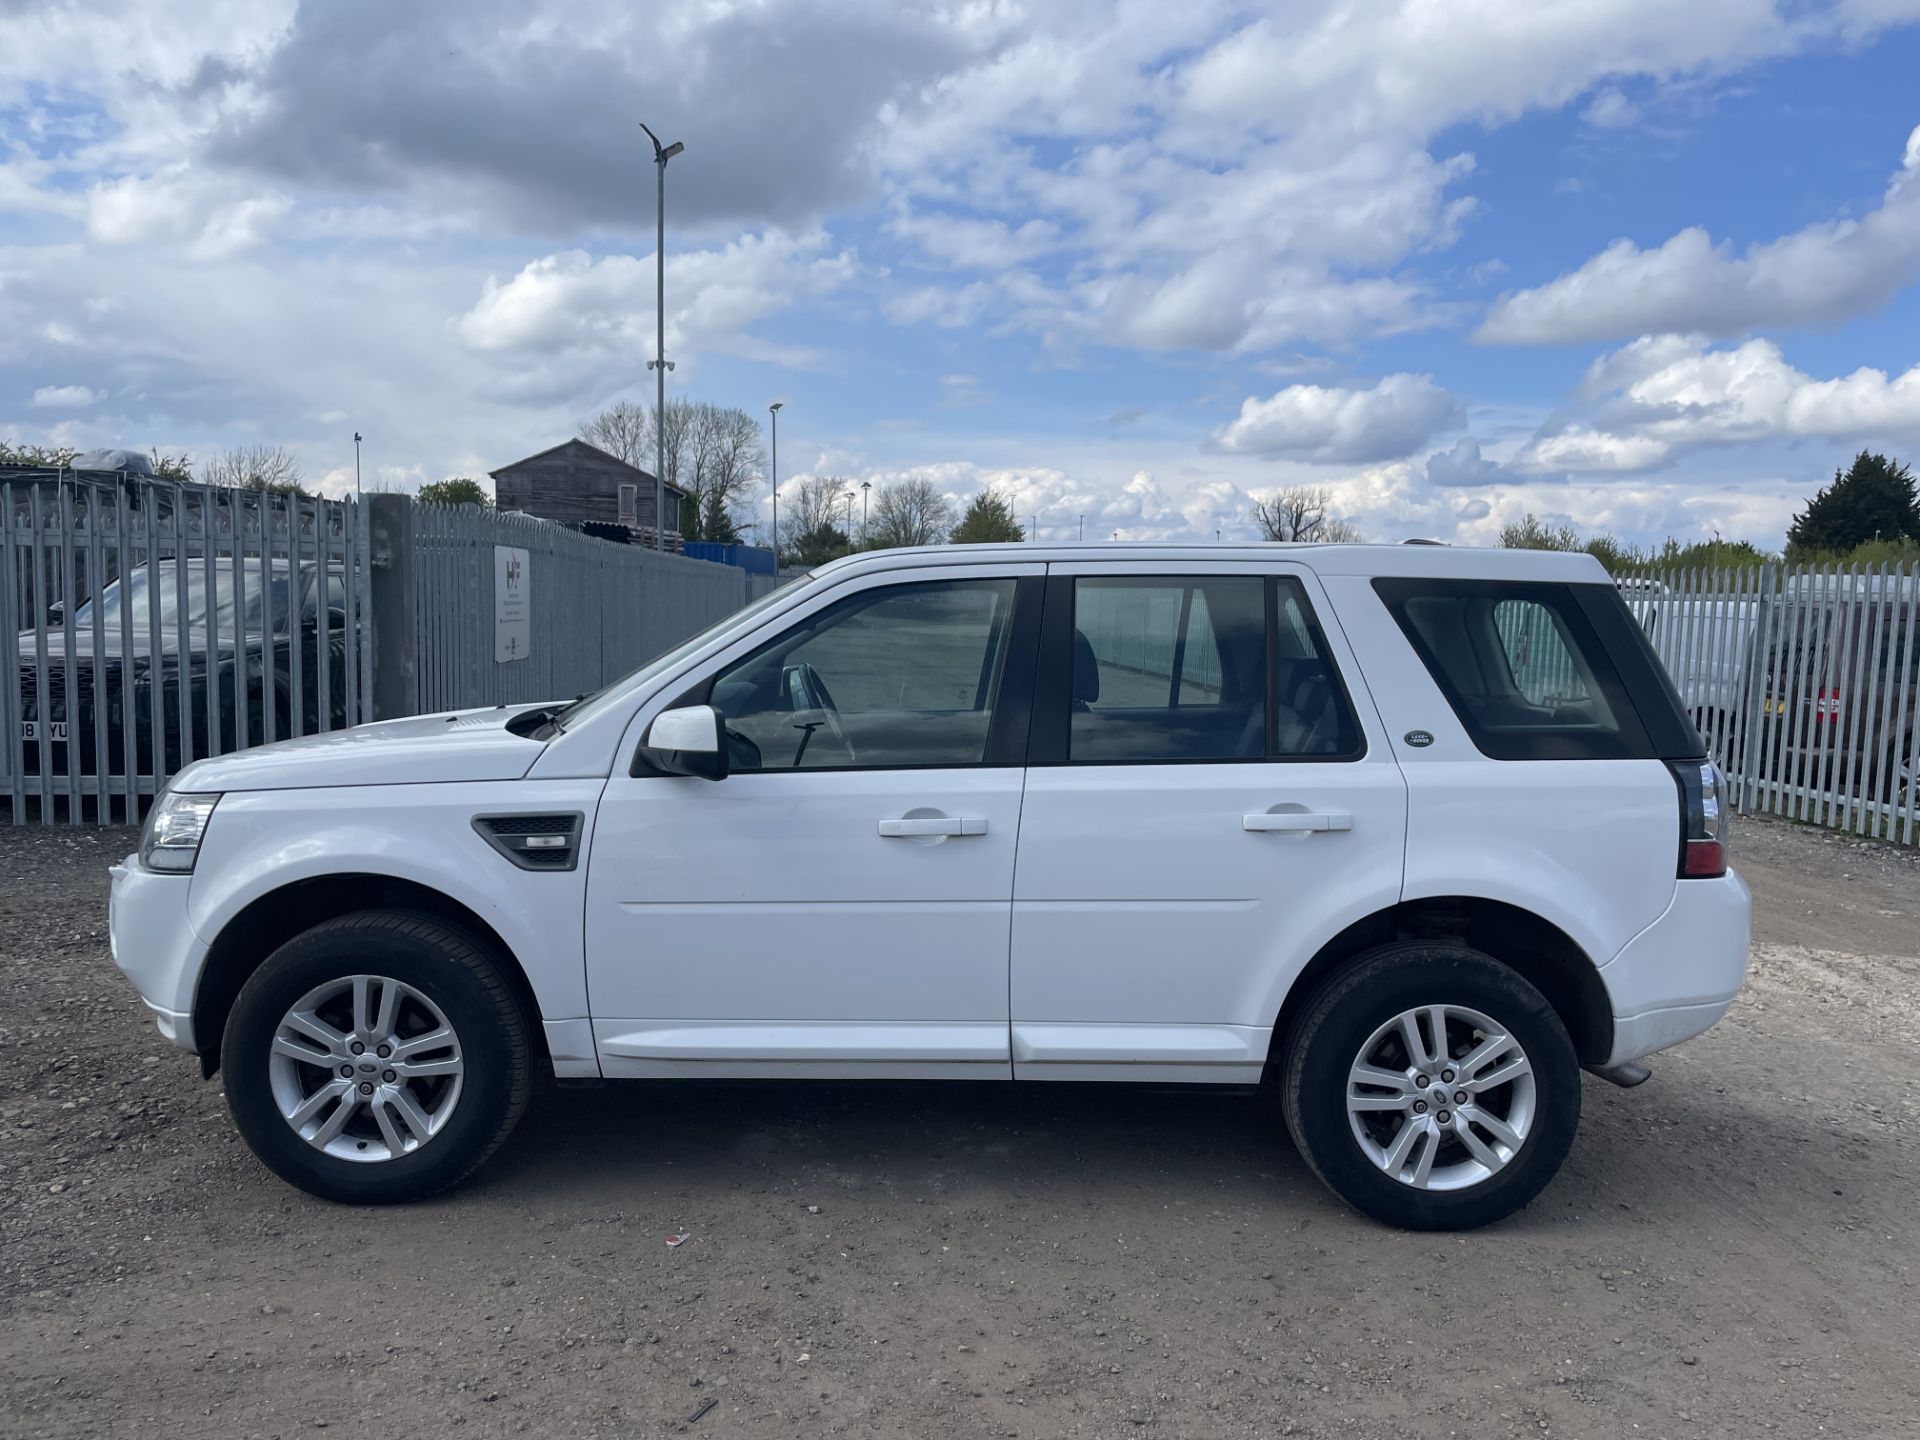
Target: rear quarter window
column 1522, row 666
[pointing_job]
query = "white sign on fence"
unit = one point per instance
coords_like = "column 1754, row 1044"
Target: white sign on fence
column 512, row 604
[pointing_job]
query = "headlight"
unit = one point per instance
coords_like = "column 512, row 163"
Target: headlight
column 171, row 839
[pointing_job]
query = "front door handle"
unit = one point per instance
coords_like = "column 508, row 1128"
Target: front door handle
column 934, row 825
column 1296, row 821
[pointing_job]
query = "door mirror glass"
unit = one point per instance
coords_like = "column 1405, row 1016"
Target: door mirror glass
column 687, row 741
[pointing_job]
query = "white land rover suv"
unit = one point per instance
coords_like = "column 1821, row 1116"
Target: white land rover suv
column 1408, row 835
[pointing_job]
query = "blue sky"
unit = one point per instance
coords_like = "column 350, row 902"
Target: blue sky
column 1642, row 266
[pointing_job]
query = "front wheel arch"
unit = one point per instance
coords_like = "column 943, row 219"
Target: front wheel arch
column 272, row 919
column 1536, row 949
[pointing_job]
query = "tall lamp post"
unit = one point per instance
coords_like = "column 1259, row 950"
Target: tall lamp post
column 356, row 465
column 773, row 415
column 849, row 520
column 660, row 364
column 865, row 486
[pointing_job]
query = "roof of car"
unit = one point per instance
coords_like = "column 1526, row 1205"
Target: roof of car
column 1450, row 561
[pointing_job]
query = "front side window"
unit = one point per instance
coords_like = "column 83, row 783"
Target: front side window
column 906, row 675
column 1522, row 667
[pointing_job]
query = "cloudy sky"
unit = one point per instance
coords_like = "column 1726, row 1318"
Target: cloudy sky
column 1642, row 264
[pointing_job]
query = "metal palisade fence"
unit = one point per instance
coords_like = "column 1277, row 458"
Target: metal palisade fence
column 157, row 623
column 1805, row 681
column 509, row 608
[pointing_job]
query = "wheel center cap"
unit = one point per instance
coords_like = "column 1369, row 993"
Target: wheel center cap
column 367, row 1067
column 1438, row 1095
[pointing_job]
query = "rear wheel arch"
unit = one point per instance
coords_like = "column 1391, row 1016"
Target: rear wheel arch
column 271, row 920
column 1533, row 947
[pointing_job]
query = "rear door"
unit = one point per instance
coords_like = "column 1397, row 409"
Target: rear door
column 1208, row 801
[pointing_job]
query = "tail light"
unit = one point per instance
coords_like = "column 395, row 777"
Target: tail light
column 1826, row 706
column 1703, row 820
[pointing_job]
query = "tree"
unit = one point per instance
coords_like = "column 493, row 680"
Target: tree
column 624, row 430
column 706, row 448
column 988, row 518
column 727, row 460
column 1530, row 532
column 50, row 458
column 715, row 520
column 808, row 512
column 268, row 469
column 909, row 512
column 176, row 467
column 1303, row 513
column 1873, row 500
column 460, row 490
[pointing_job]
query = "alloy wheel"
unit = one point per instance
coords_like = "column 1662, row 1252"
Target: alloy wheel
column 1441, row 1097
column 366, row 1068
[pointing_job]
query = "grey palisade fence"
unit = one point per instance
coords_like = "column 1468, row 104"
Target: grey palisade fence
column 157, row 623
column 595, row 609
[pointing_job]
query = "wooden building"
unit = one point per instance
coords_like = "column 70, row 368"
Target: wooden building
column 579, row 484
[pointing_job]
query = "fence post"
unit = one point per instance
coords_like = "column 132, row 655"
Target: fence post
column 1753, row 703
column 390, row 625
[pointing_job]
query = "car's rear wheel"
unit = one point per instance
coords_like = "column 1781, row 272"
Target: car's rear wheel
column 376, row 1058
column 1431, row 1087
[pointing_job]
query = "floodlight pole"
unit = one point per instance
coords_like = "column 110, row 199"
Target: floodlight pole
column 660, row 364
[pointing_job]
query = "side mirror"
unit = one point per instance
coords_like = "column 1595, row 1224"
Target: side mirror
column 688, row 741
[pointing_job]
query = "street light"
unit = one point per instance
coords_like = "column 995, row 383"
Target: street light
column 849, row 522
column 773, row 416
column 660, row 364
column 1083, row 527
column 356, row 465
column 865, row 486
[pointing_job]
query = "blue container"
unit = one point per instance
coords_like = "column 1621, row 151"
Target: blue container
column 750, row 558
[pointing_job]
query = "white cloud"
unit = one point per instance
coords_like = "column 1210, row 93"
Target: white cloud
column 63, row 397
column 1821, row 275
column 962, row 390
column 214, row 218
column 1610, row 110
column 574, row 306
column 1334, row 424
column 1581, row 450
column 1665, row 393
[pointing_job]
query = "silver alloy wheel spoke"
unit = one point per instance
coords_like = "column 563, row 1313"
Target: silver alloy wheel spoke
column 342, row 1067
column 315, row 1030
column 1441, row 1097
column 1494, row 1079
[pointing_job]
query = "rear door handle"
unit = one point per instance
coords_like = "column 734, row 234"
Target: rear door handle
column 1295, row 821
column 934, row 825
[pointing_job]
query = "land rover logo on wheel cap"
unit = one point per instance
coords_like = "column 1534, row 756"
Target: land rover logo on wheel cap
column 1419, row 739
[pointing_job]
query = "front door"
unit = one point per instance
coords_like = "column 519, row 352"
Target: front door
column 1208, row 801
column 839, row 904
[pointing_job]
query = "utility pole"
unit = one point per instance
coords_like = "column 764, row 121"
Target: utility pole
column 660, row 364
column 773, row 416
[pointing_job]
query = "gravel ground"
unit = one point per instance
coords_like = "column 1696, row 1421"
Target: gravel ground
column 1731, row 1250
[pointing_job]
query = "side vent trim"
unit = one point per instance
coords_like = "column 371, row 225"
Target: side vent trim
column 548, row 842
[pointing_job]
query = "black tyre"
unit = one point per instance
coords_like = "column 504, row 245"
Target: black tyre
column 377, row 1058
column 1430, row 1134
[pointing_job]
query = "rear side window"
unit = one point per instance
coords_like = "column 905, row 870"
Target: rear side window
column 1522, row 667
column 1194, row 668
column 1168, row 669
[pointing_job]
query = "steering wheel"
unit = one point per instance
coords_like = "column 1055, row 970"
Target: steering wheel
column 807, row 691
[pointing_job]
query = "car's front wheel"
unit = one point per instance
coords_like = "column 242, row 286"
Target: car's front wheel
column 1431, row 1087
column 378, row 1057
